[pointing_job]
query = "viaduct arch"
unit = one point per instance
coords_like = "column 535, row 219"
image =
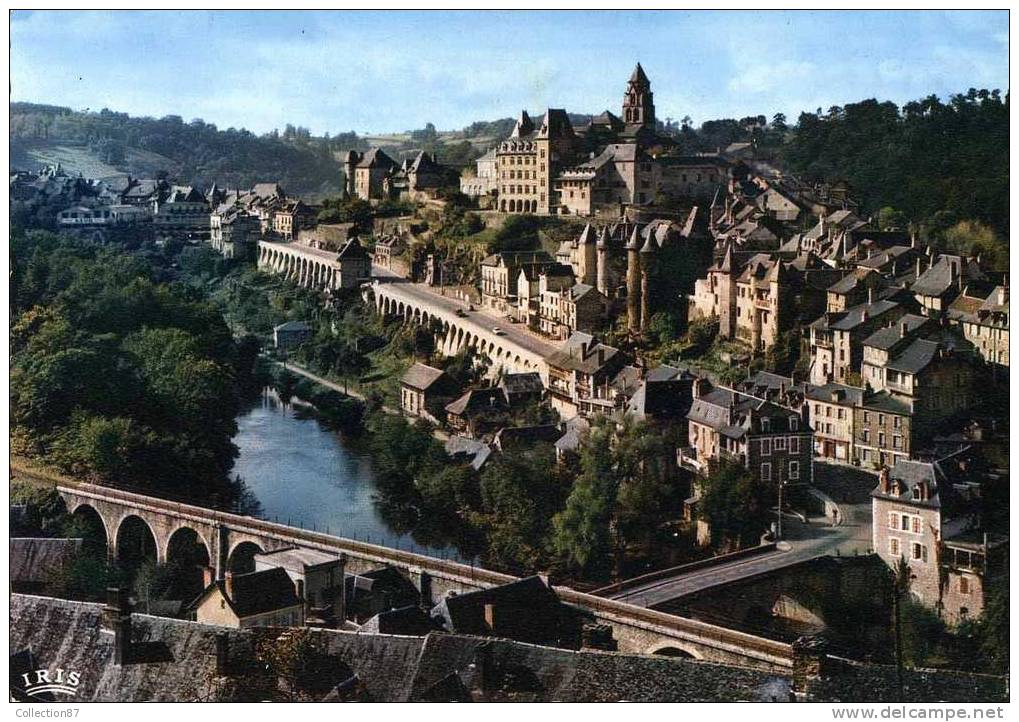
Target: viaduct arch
column 636, row 629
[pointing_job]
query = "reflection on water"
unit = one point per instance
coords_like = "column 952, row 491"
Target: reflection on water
column 308, row 476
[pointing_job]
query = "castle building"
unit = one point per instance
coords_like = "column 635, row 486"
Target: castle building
column 554, row 168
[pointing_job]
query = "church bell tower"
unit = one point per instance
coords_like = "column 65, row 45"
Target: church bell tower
column 638, row 102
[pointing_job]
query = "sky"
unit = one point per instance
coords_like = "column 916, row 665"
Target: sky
column 390, row 71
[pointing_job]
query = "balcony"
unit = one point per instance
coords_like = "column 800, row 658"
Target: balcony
column 687, row 458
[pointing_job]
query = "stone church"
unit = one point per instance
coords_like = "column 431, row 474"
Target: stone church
column 551, row 167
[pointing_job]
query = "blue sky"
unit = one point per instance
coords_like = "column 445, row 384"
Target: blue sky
column 396, row 70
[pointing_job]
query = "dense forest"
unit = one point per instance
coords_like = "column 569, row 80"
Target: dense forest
column 120, row 375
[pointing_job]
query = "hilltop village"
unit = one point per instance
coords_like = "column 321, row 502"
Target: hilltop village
column 575, row 283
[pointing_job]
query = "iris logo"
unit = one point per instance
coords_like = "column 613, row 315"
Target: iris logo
column 44, row 681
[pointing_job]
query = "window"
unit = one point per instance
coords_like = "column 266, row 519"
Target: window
column 893, row 520
column 904, row 522
column 917, row 529
column 866, row 436
column 765, row 425
column 794, row 423
column 897, row 422
column 919, row 552
column 794, row 444
column 779, row 443
column 765, row 472
column 866, row 417
column 896, row 442
column 880, row 419
column 881, row 438
column 794, row 470
column 765, row 447
column 893, row 546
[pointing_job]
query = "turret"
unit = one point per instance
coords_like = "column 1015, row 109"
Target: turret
column 349, row 164
column 633, row 281
column 648, row 258
column 603, row 271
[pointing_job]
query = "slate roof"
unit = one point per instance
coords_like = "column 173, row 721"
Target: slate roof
column 848, row 395
column 730, row 412
column 377, row 158
column 420, row 376
column 915, row 357
column 34, row 559
column 293, row 326
column 465, row 613
column 522, row 383
column 477, row 400
column 883, row 401
column 478, row 451
column 256, row 593
column 887, row 337
column 580, row 353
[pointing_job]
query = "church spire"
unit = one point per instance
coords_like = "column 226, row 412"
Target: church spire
column 638, row 101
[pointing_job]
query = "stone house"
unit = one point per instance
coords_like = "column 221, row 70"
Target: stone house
column 581, row 372
column 366, row 173
column 354, row 265
column 832, row 412
column 532, row 283
column 943, row 281
column 477, row 412
column 522, row 388
column 182, row 213
column 882, row 430
column 234, row 233
column 836, row 338
column 267, row 598
column 577, row 308
column 291, row 334
column 320, row 576
column 485, row 179
column 927, row 513
column 500, row 274
column 934, row 376
column 983, row 319
column 290, row 217
column 423, row 390
column 774, row 443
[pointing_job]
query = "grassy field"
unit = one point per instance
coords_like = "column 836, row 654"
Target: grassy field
column 34, row 154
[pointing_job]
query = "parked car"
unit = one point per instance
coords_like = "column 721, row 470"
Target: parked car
column 498, row 331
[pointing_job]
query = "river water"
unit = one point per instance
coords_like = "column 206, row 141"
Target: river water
column 308, row 476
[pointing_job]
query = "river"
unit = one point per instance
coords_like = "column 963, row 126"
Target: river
column 309, row 476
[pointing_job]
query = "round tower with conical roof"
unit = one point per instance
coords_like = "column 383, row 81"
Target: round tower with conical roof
column 603, row 262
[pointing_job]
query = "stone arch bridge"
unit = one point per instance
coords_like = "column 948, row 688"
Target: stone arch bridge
column 514, row 349
column 309, row 267
column 636, row 629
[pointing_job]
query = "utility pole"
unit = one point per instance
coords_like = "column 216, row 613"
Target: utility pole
column 779, row 532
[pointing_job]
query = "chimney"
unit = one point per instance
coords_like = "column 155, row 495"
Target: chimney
column 870, row 295
column 490, row 617
column 699, row 387
column 222, row 653
column 883, row 478
column 912, row 240
column 117, row 621
column 903, row 329
column 919, row 261
column 341, row 595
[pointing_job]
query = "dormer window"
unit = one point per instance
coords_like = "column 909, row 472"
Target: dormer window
column 794, row 423
column 917, row 495
column 765, row 425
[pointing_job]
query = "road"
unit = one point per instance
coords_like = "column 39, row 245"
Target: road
column 805, row 541
column 514, row 334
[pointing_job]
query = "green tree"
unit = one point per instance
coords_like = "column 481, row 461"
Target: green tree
column 734, row 504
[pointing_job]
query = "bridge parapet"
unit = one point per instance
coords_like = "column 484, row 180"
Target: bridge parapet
column 636, row 629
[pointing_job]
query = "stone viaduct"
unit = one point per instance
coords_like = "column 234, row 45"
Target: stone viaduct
column 515, row 351
column 225, row 537
column 306, row 266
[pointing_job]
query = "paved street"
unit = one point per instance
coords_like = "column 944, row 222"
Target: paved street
column 424, row 296
column 806, row 541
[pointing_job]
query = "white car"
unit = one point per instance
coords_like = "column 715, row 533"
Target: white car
column 498, row 331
